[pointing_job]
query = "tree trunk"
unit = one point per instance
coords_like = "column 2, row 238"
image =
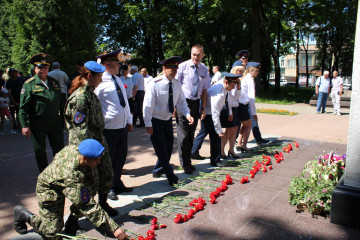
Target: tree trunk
column 306, row 61
column 256, row 44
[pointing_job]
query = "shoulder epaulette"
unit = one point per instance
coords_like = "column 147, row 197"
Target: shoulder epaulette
column 30, row 80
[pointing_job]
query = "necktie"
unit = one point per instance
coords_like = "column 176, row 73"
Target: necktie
column 118, row 89
column 171, row 103
column 195, row 82
column 227, row 104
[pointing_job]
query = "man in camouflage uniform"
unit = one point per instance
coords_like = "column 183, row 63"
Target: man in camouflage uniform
column 84, row 119
column 41, row 110
column 72, row 174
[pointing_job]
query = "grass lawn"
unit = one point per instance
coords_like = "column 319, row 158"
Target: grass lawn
column 288, row 95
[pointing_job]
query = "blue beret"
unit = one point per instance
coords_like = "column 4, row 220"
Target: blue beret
column 175, row 59
column 237, row 63
column 253, row 64
column 94, row 67
column 91, row 148
column 111, row 55
column 243, row 53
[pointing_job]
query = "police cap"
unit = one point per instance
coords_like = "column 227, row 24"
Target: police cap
column 243, row 54
column 111, row 55
column 237, row 63
column 175, row 59
column 231, row 76
column 91, row 148
column 94, row 67
column 41, row 59
column 253, row 64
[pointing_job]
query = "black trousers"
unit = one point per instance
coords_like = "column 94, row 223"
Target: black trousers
column 215, row 140
column 186, row 132
column 138, row 107
column 117, row 140
column 163, row 140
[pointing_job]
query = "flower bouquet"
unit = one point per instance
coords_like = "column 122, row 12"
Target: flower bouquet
column 313, row 191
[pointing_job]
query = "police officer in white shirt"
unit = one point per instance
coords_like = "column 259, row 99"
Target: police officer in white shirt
column 162, row 95
column 216, row 96
column 118, row 119
column 336, row 92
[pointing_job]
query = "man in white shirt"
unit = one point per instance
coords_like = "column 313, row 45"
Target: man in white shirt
column 336, row 92
column 217, row 75
column 162, row 96
column 147, row 77
column 118, row 119
column 139, row 89
column 216, row 96
column 61, row 76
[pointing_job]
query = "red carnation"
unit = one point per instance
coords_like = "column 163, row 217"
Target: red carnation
column 185, row 218
column 244, row 180
column 125, row 86
column 199, row 207
column 270, row 167
column 191, row 213
column 290, row 146
column 178, row 218
column 150, row 233
column 154, row 221
column 264, row 169
column 296, row 144
column 163, row 226
column 154, row 227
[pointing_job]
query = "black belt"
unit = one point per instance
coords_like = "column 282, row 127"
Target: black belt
column 192, row 100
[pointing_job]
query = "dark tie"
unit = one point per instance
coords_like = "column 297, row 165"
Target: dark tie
column 195, row 82
column 227, row 104
column 118, row 89
column 171, row 103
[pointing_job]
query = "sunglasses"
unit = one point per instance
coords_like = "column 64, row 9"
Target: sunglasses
column 173, row 66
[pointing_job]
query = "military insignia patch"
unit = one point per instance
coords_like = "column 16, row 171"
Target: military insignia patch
column 79, row 117
column 85, row 195
column 22, row 91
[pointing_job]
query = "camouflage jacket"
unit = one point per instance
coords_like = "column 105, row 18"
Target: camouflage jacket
column 84, row 117
column 65, row 177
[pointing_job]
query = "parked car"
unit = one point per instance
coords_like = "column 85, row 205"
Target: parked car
column 283, row 82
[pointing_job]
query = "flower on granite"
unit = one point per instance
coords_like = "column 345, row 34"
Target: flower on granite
column 199, row 207
column 228, row 180
column 154, row 227
column 244, row 180
column 163, row 226
column 264, row 169
column 178, row 218
column 290, row 146
column 270, row 167
column 185, row 218
column 154, row 221
column 191, row 213
column 296, row 144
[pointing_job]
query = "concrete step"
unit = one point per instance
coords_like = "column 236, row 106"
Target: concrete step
column 344, row 99
column 344, row 104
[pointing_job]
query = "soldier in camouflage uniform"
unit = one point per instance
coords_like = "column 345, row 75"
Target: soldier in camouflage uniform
column 84, row 119
column 41, row 110
column 72, row 174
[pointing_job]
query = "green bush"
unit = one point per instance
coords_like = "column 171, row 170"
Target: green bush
column 288, row 95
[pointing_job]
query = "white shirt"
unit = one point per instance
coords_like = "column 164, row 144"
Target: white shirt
column 4, row 102
column 214, row 103
column 157, row 98
column 147, row 79
column 217, row 77
column 336, row 84
column 115, row 116
column 129, row 84
column 61, row 77
column 138, row 80
column 248, row 92
column 233, row 98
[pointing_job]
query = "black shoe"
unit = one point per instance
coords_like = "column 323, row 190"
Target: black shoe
column 21, row 217
column 189, row 169
column 262, row 141
column 112, row 195
column 197, row 156
column 72, row 227
column 103, row 203
column 123, row 189
column 244, row 150
column 159, row 175
column 232, row 155
column 238, row 148
column 173, row 181
column 223, row 156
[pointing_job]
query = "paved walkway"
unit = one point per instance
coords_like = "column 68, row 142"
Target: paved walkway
column 18, row 170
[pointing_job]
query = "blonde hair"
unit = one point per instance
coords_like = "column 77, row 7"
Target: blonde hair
column 233, row 70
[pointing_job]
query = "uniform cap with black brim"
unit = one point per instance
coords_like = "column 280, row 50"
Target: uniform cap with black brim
column 231, row 76
column 241, row 53
column 253, row 64
column 42, row 59
column 111, row 55
column 175, row 59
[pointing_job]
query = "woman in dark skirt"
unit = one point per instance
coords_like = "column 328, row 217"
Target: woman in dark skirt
column 230, row 122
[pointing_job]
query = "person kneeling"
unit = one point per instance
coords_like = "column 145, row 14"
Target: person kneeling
column 69, row 175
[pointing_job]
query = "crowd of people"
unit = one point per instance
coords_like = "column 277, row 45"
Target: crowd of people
column 99, row 105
